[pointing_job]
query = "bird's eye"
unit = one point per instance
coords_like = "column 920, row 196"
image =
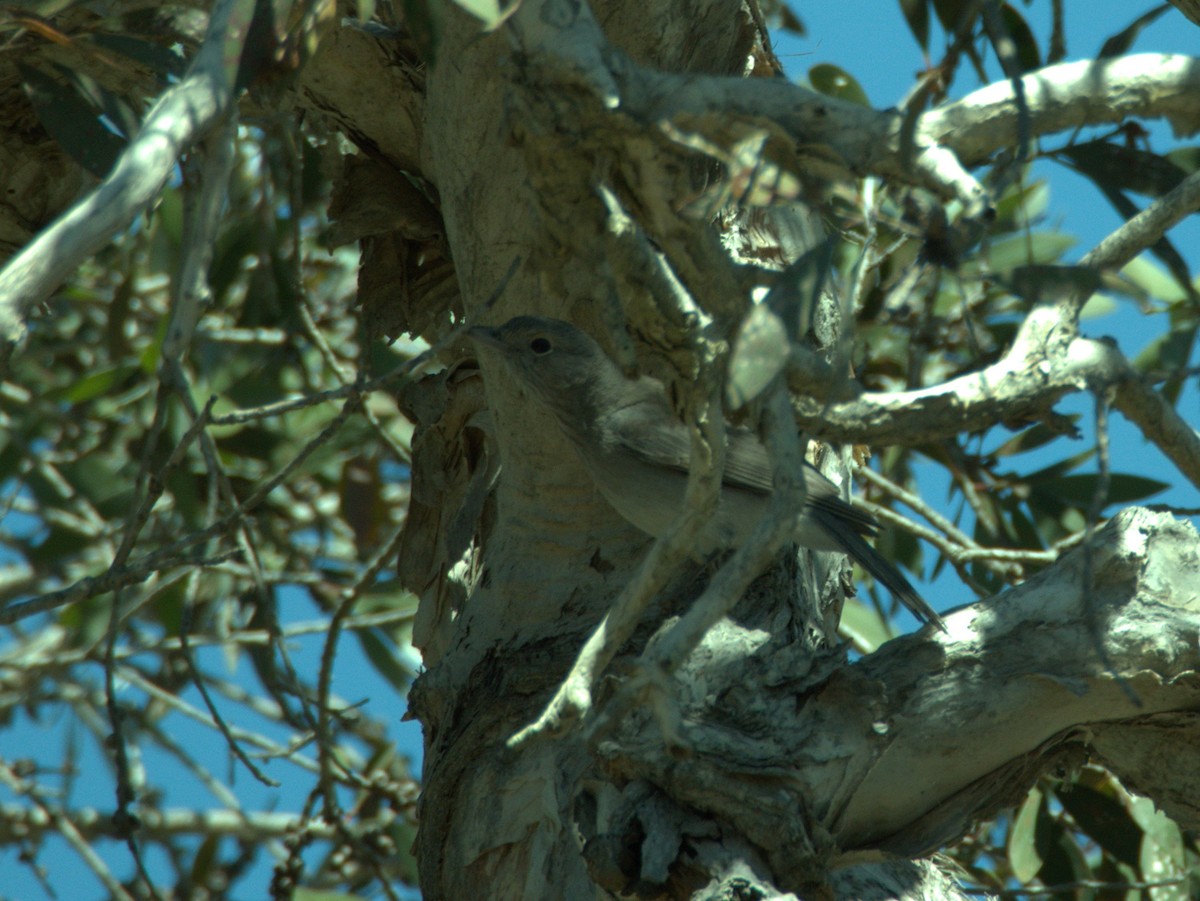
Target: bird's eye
column 540, row 346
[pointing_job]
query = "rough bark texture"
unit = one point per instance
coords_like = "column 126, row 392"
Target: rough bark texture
column 518, row 193
column 769, row 765
column 901, row 751
column 764, row 765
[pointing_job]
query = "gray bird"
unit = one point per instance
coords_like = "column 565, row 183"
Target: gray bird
column 637, row 451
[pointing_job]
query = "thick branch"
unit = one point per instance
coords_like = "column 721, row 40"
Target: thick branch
column 573, row 52
column 1070, row 96
column 359, row 70
column 1024, row 385
column 902, row 751
column 855, row 139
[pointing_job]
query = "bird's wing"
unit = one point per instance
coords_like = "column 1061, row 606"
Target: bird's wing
column 746, row 462
column 747, row 465
column 649, row 431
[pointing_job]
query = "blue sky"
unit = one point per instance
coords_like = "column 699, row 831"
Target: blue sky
column 872, row 42
column 869, row 39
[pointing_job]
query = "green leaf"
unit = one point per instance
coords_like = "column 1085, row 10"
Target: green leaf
column 94, row 384
column 380, row 649
column 72, row 121
column 1065, row 863
column 1046, row 283
column 1120, row 42
column 760, row 353
column 1031, row 438
column 163, row 61
column 1029, row 57
column 404, row 838
column 1162, row 855
column 423, row 20
column 1118, row 167
column 1024, row 250
column 833, row 81
column 1103, row 817
column 950, row 12
column 916, row 14
column 86, row 622
column 789, row 21
column 489, row 12
column 1098, row 306
column 863, row 625
column 1151, row 278
column 1079, row 490
column 1023, row 854
column 1020, row 205
column 1162, row 248
column 250, row 42
column 44, row 8
column 204, row 858
column 1024, row 533
column 1186, row 158
column 989, row 524
column 1167, row 353
column 238, row 240
column 1060, row 467
column 108, row 104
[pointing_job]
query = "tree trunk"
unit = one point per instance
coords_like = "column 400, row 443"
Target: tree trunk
column 768, row 762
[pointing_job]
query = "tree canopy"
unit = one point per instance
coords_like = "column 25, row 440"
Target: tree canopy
column 261, row 499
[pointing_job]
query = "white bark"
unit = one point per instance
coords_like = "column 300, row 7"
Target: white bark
column 903, row 750
column 1067, row 96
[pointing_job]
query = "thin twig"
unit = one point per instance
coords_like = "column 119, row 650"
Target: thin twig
column 947, row 548
column 221, row 725
column 325, row 742
column 280, row 408
column 916, row 503
column 1095, row 509
column 125, row 821
column 150, row 485
column 325, row 748
column 1087, row 885
column 219, row 789
column 169, row 556
column 135, row 677
column 91, row 586
column 87, row 823
column 65, row 827
column 344, row 376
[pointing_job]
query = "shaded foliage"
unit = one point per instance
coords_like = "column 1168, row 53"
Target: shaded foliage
column 126, row 474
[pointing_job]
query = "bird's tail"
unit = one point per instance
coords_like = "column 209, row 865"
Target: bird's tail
column 873, row 562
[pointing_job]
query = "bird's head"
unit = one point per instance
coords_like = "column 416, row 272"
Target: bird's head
column 557, row 362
